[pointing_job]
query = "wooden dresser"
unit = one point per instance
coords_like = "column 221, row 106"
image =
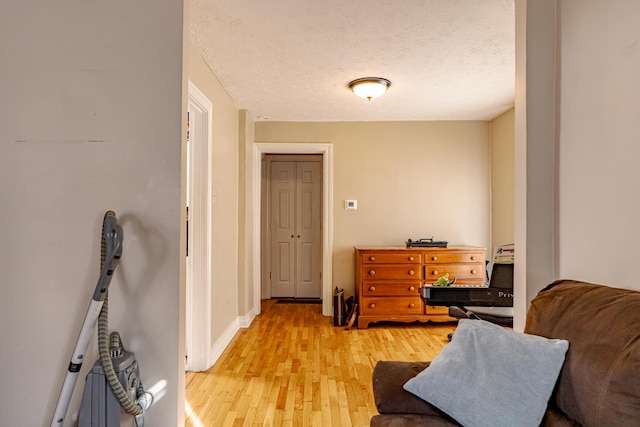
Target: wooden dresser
column 388, row 280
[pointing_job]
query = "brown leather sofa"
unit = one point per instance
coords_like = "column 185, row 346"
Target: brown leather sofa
column 599, row 384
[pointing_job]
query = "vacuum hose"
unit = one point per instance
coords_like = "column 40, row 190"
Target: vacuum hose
column 103, row 342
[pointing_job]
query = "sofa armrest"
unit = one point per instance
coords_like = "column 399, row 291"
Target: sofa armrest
column 391, row 398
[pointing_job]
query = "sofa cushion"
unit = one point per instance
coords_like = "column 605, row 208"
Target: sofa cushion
column 410, row 420
column 390, row 397
column 488, row 376
column 600, row 381
column 554, row 418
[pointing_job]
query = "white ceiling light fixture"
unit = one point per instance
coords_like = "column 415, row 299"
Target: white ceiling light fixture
column 369, row 87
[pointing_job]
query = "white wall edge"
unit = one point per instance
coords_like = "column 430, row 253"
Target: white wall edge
column 201, row 321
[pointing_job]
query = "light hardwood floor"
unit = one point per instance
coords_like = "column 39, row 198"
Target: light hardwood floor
column 292, row 367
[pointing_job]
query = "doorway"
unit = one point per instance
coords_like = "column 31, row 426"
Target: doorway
column 198, row 247
column 293, row 232
column 258, row 177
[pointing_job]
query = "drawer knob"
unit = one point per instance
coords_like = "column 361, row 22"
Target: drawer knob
column 372, row 272
column 411, row 288
column 434, row 258
column 372, row 258
column 412, row 305
column 372, row 288
column 473, row 257
column 411, row 272
column 434, row 273
column 473, row 271
column 372, row 305
column 410, row 258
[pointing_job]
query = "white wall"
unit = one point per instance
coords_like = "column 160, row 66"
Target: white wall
column 599, row 199
column 535, row 150
column 577, row 133
column 90, row 120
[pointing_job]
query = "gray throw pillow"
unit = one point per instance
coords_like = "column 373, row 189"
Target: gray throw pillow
column 488, row 376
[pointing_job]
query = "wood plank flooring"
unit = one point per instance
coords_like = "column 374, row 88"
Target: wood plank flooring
column 292, row 367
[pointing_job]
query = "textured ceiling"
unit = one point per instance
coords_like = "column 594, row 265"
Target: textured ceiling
column 291, row 60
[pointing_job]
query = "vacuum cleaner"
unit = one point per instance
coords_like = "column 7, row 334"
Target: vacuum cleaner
column 113, row 385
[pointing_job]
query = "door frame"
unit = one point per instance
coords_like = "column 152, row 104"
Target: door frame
column 326, row 150
column 198, row 292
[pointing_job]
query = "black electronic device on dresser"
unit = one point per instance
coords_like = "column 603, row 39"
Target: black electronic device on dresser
column 426, row 243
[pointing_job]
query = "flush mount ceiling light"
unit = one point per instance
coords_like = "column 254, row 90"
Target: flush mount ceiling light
column 369, row 87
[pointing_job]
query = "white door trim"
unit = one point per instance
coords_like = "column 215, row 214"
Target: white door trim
column 327, row 211
column 198, row 310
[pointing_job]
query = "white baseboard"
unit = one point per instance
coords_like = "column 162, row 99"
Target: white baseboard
column 245, row 321
column 223, row 341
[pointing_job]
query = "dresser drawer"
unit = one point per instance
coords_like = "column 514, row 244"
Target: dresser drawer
column 391, row 258
column 388, row 280
column 435, row 309
column 391, row 306
column 450, row 258
column 391, row 271
column 465, row 273
column 391, row 288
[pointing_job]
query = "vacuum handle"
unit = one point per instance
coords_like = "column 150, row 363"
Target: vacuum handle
column 112, row 236
column 71, row 377
column 112, row 240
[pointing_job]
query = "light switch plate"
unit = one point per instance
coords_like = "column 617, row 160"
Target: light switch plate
column 350, row 205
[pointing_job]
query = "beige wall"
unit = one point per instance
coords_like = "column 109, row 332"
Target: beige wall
column 411, row 180
column 246, row 301
column 224, row 149
column 599, row 142
column 502, row 195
